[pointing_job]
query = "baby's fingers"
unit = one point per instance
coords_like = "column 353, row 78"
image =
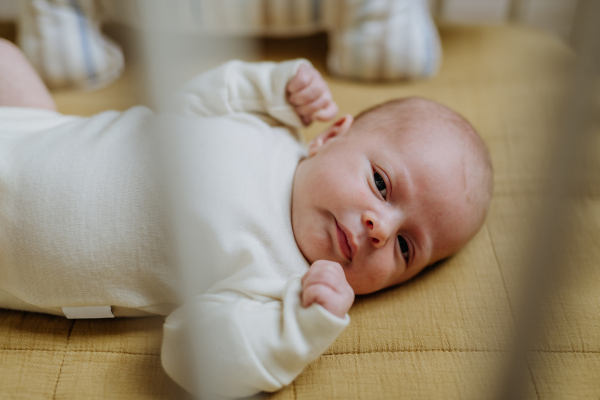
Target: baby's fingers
column 327, row 113
column 315, row 89
column 302, row 79
column 336, row 303
column 317, row 293
column 325, row 283
column 322, row 109
column 326, row 273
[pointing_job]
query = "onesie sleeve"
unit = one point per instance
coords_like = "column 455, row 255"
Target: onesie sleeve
column 246, row 346
column 241, row 87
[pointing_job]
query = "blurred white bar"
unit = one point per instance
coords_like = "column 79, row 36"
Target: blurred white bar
column 171, row 57
column 553, row 15
column 544, row 267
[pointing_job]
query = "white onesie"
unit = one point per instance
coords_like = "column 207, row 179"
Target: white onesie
column 82, row 224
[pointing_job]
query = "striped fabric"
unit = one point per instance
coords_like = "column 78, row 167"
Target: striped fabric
column 62, row 39
column 383, row 39
column 369, row 39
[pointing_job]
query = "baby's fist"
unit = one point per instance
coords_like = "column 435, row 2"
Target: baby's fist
column 308, row 92
column 325, row 284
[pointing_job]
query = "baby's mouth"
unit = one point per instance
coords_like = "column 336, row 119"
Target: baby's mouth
column 343, row 242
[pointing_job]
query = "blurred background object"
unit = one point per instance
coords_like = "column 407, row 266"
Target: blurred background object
column 64, row 43
column 555, row 16
column 369, row 40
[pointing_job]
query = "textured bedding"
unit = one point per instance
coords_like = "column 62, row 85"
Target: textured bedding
column 441, row 335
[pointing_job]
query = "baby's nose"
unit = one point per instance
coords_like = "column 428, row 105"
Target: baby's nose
column 377, row 229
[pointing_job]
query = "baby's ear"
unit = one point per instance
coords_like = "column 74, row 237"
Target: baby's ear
column 339, row 128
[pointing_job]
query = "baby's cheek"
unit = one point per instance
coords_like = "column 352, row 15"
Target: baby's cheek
column 366, row 277
column 386, row 272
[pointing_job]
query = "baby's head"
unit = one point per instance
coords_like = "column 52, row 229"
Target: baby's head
column 401, row 186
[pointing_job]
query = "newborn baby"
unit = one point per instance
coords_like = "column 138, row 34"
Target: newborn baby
column 287, row 235
column 382, row 196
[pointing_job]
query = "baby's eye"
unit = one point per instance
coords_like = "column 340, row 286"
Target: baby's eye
column 403, row 247
column 380, row 184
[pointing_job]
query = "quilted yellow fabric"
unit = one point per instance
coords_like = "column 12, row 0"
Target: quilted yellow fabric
column 442, row 335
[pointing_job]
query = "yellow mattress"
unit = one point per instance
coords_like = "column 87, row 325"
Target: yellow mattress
column 442, row 335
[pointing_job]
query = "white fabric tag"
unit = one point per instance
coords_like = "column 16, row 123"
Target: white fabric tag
column 88, row 312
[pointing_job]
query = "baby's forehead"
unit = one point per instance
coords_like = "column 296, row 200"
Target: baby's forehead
column 428, row 132
column 419, row 119
column 422, row 137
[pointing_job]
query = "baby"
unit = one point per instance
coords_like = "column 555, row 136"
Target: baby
column 288, row 235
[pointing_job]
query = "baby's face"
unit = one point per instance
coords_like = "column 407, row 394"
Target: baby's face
column 382, row 204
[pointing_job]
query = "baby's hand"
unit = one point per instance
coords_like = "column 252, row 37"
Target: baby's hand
column 325, row 284
column 309, row 94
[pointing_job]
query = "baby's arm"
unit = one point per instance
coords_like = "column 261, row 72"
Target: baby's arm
column 253, row 88
column 243, row 345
